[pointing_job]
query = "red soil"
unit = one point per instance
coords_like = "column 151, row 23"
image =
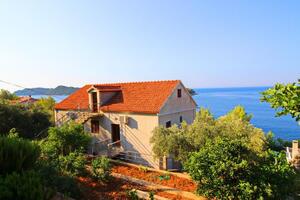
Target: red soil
column 151, row 176
column 115, row 189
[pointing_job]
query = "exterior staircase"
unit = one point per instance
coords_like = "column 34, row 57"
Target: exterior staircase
column 79, row 117
column 82, row 117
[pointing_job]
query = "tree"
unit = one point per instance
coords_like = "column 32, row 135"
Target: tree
column 45, row 105
column 171, row 141
column 63, row 140
column 180, row 141
column 227, row 169
column 27, row 122
column 6, row 95
column 284, row 98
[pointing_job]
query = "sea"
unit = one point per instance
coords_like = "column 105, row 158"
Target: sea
column 221, row 100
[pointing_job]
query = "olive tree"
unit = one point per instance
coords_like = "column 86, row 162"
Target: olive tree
column 180, row 141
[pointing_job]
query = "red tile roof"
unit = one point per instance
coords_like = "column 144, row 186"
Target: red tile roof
column 24, row 100
column 135, row 97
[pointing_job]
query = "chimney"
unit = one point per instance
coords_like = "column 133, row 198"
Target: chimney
column 295, row 148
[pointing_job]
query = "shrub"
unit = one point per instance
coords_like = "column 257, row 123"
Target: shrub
column 55, row 180
column 101, row 168
column 144, row 169
column 228, row 169
column 72, row 164
column 132, row 195
column 27, row 122
column 65, row 139
column 26, row 186
column 17, row 154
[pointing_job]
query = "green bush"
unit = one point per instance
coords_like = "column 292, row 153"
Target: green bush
column 55, row 180
column 27, row 122
column 17, row 154
column 228, row 169
column 101, row 168
column 72, row 164
column 132, row 195
column 65, row 139
column 26, row 186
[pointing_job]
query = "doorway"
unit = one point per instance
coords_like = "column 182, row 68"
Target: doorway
column 115, row 132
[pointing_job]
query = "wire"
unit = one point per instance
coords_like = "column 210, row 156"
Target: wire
column 13, row 84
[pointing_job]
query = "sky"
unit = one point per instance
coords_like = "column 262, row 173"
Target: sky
column 233, row 43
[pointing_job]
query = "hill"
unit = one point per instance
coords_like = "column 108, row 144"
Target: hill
column 59, row 90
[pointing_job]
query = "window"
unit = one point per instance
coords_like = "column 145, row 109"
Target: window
column 168, row 124
column 180, row 119
column 179, row 93
column 95, row 126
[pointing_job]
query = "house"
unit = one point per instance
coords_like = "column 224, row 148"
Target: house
column 24, row 100
column 122, row 116
column 293, row 154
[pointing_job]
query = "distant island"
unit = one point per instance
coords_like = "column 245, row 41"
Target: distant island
column 59, row 90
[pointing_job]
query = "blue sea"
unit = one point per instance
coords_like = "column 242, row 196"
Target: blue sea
column 221, row 100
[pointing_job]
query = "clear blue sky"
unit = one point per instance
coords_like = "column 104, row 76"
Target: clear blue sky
column 203, row 43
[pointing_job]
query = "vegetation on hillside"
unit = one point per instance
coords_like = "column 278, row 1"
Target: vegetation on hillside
column 179, row 141
column 28, row 120
column 228, row 157
column 226, row 168
column 6, row 96
column 37, row 170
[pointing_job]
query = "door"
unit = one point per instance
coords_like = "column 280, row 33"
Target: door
column 115, row 132
column 95, row 103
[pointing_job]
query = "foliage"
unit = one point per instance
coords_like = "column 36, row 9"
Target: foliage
column 284, row 98
column 65, row 139
column 72, row 164
column 277, row 144
column 6, row 95
column 132, row 195
column 55, row 180
column 27, row 122
column 164, row 177
column 101, row 168
column 151, row 195
column 26, row 186
column 143, row 169
column 179, row 141
column 17, row 154
column 228, row 169
column 45, row 105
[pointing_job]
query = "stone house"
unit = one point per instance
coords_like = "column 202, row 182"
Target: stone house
column 122, row 116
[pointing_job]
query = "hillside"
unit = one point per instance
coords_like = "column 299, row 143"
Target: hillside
column 59, row 90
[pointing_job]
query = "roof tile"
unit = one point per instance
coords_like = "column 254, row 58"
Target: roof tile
column 135, row 97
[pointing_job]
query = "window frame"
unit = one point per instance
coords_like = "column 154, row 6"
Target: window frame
column 168, row 124
column 179, row 93
column 95, row 126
